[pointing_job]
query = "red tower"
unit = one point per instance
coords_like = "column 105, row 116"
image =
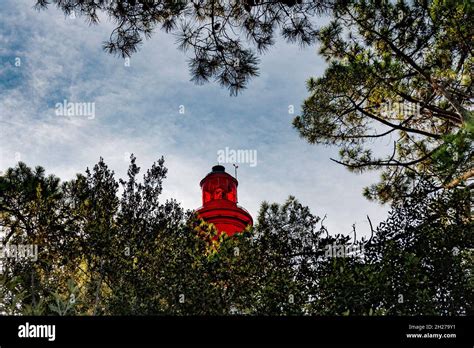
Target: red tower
column 219, row 202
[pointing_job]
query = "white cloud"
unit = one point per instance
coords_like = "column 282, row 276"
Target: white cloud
column 137, row 111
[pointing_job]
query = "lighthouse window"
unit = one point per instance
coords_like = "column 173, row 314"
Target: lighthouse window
column 218, row 193
column 231, row 193
column 206, row 196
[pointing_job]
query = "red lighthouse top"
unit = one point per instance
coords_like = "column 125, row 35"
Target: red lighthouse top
column 219, row 202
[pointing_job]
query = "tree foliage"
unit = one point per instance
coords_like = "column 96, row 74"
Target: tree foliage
column 423, row 254
column 399, row 73
column 101, row 253
column 222, row 36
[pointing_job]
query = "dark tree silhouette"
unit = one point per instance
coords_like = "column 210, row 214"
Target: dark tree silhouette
column 105, row 254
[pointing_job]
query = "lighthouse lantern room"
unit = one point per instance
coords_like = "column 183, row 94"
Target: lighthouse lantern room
column 219, row 202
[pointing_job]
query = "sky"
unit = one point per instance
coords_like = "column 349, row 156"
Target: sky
column 150, row 108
